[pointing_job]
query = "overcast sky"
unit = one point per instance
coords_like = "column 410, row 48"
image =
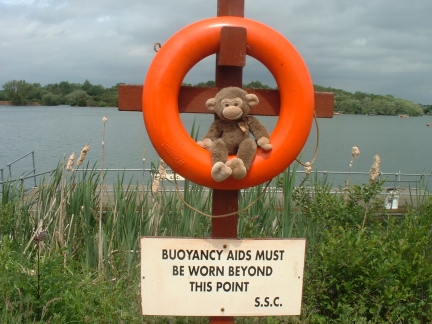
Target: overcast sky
column 373, row 46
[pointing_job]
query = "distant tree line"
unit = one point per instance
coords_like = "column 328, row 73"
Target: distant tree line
column 250, row 85
column 87, row 94
column 372, row 104
column 63, row 93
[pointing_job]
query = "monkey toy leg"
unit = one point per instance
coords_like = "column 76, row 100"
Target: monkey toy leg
column 245, row 155
column 219, row 155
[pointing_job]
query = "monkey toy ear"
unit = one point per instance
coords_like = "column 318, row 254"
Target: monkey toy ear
column 211, row 104
column 252, row 99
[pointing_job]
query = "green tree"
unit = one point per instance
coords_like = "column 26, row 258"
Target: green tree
column 95, row 90
column 366, row 106
column 50, row 99
column 34, row 92
column 408, row 107
column 53, row 88
column 359, row 95
column 256, row 85
column 339, row 101
column 427, row 109
column 77, row 98
column 376, row 106
column 209, row 84
column 349, row 106
column 385, row 106
column 2, row 95
column 86, row 85
column 16, row 91
column 109, row 97
column 65, row 87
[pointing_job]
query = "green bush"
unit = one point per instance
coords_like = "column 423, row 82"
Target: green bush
column 379, row 274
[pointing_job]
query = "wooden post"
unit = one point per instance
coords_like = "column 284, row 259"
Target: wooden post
column 229, row 72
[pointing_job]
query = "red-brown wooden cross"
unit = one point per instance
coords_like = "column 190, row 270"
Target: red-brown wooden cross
column 229, row 70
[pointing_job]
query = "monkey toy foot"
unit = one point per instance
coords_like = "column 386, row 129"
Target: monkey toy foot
column 238, row 168
column 220, row 172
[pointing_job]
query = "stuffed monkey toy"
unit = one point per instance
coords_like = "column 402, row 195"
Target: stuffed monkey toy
column 229, row 134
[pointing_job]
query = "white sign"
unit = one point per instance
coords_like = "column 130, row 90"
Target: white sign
column 221, row 277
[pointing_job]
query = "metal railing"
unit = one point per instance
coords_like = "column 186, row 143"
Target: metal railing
column 336, row 179
column 391, row 179
column 9, row 167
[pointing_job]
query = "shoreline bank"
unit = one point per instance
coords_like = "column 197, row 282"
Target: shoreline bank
column 10, row 103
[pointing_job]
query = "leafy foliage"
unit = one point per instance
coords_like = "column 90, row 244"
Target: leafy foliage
column 63, row 93
column 374, row 273
column 381, row 273
column 372, row 104
column 17, row 91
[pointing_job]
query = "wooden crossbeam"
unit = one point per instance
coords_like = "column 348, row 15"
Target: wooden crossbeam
column 192, row 100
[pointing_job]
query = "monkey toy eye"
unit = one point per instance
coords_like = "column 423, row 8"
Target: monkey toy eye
column 236, row 104
column 227, row 105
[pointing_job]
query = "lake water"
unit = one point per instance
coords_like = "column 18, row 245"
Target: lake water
column 55, row 132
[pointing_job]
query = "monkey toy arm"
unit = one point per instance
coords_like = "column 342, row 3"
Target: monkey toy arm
column 212, row 134
column 260, row 132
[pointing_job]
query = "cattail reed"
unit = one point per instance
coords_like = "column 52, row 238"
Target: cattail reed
column 155, row 186
column 69, row 166
column 375, row 169
column 308, row 168
column 354, row 153
column 83, row 154
column 101, row 193
column 162, row 169
column 161, row 175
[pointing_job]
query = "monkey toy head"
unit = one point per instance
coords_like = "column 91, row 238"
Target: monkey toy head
column 232, row 103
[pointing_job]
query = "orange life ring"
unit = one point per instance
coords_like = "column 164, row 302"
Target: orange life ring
column 174, row 60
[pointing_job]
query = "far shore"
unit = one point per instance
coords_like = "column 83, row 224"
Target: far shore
column 10, row 103
column 33, row 103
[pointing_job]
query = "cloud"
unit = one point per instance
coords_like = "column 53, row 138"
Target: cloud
column 373, row 46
